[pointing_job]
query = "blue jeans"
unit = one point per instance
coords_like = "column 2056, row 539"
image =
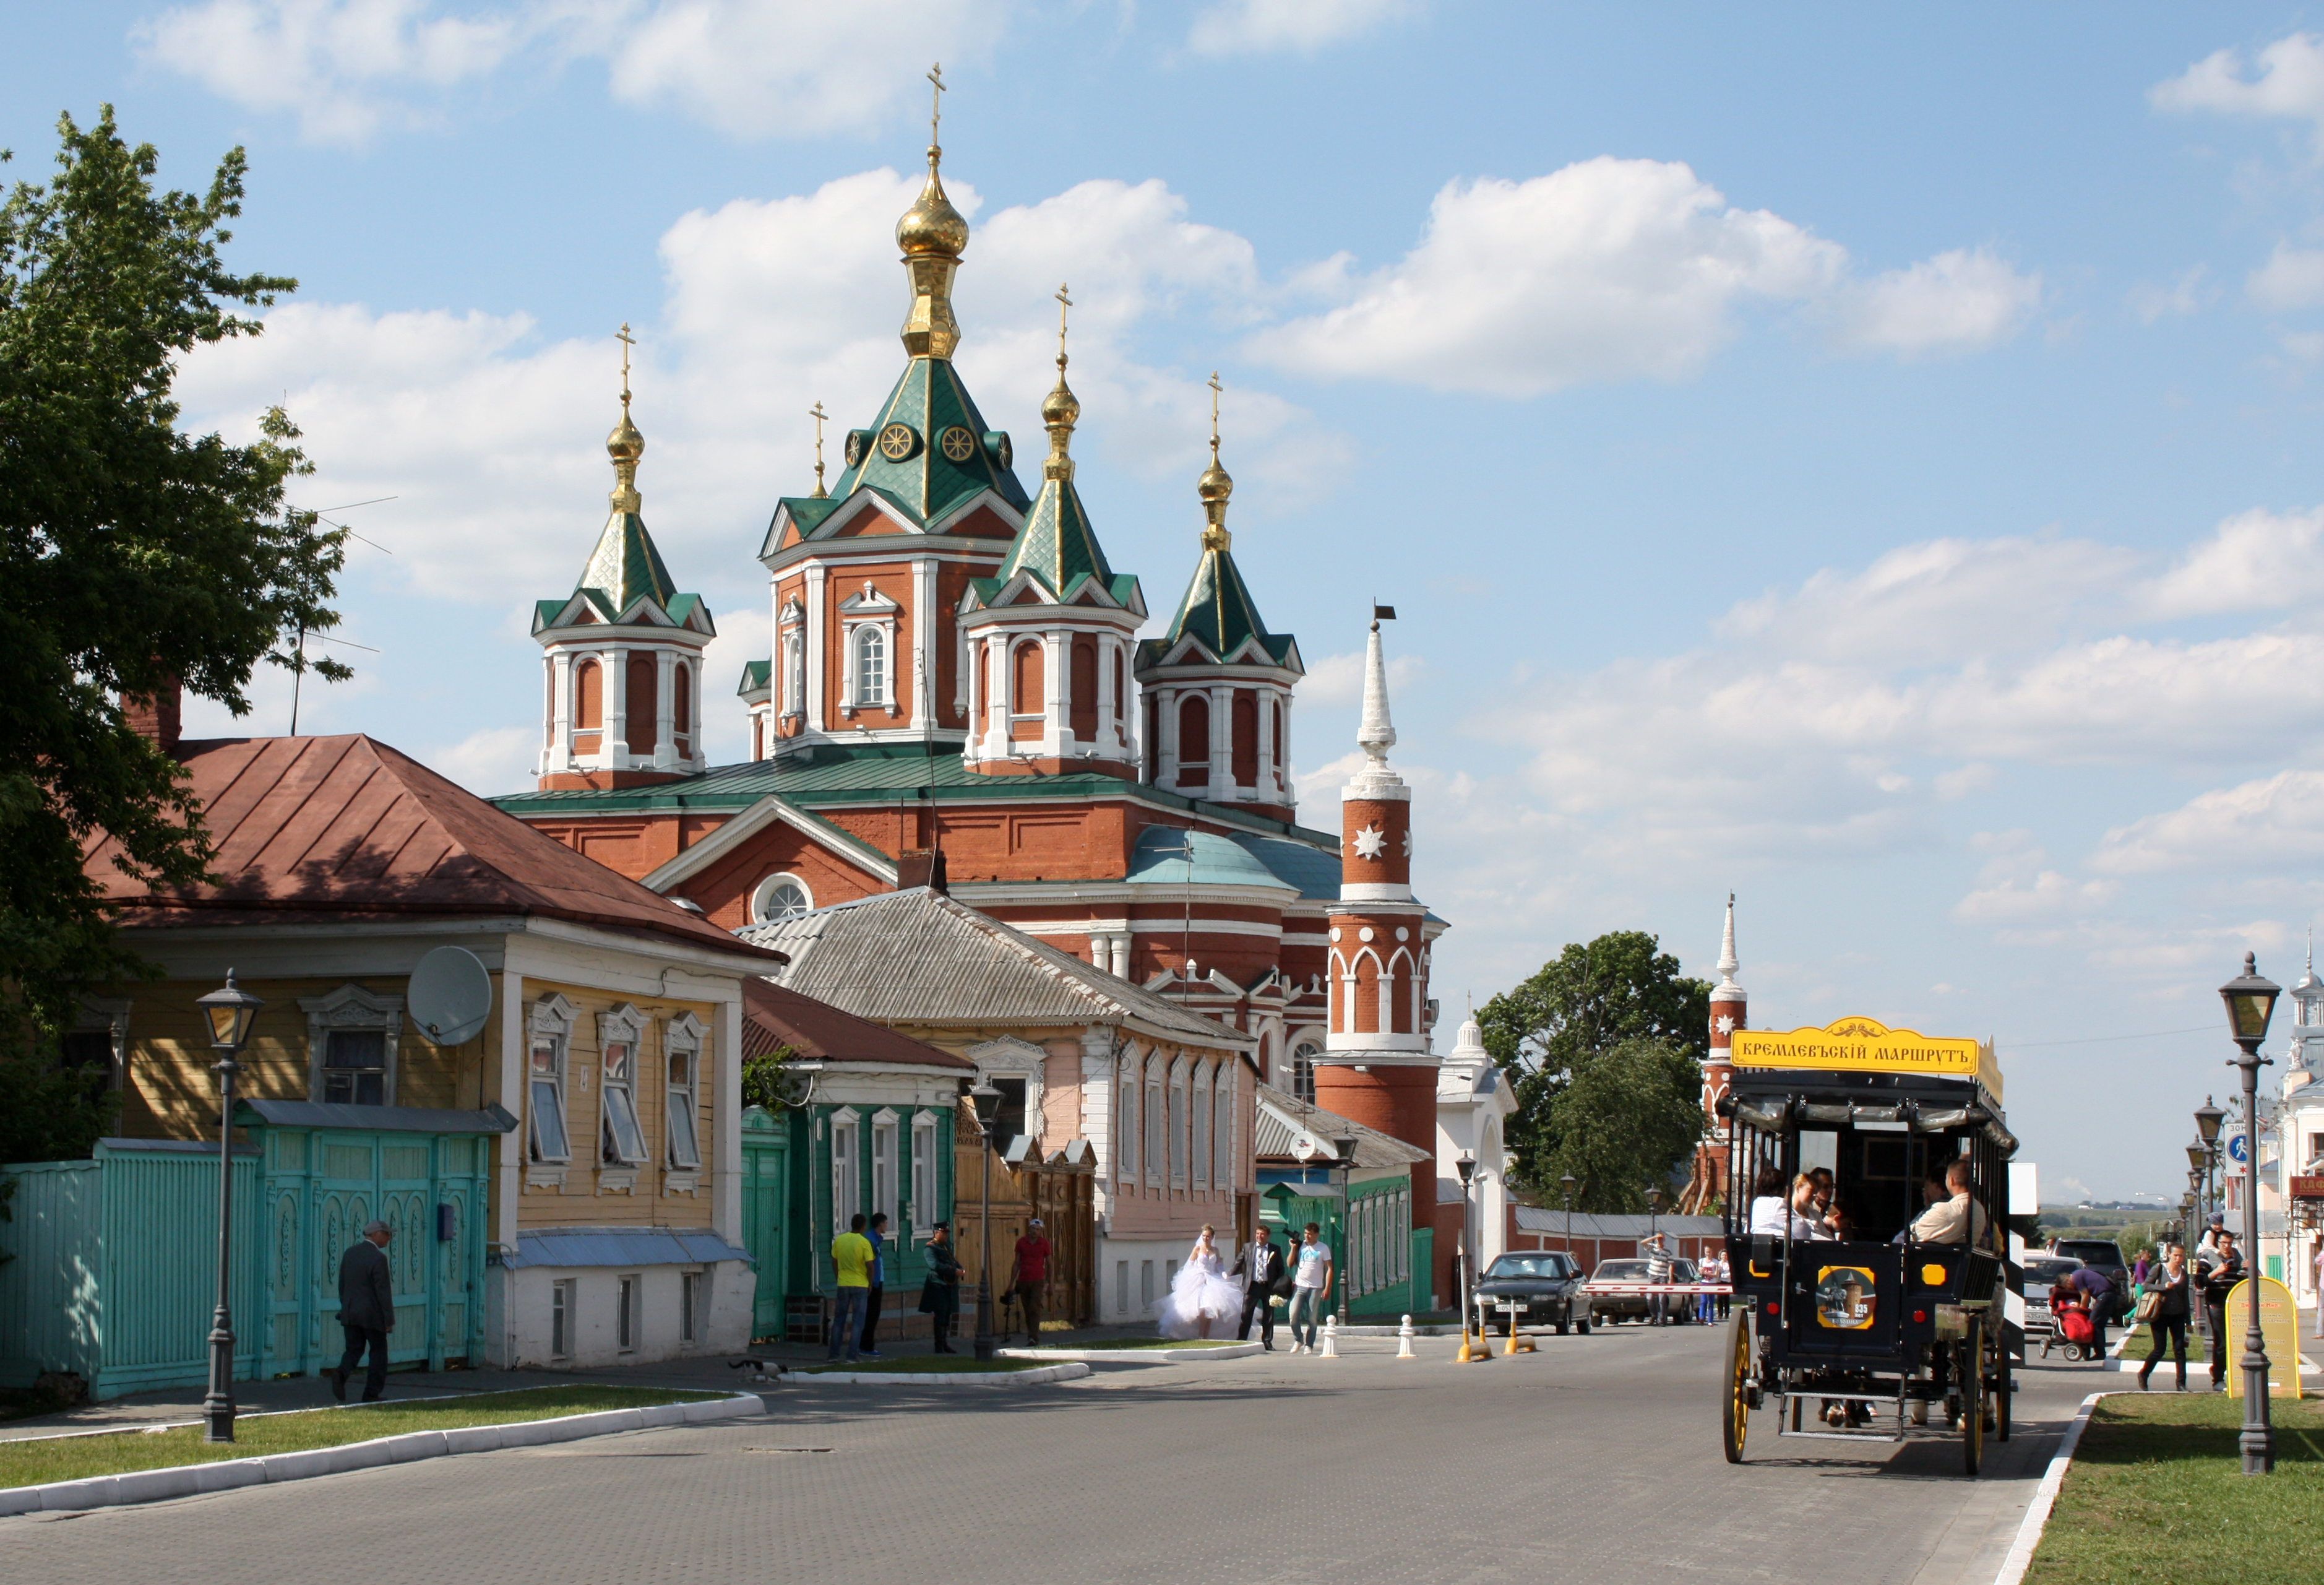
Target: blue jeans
column 1310, row 1301
column 1703, row 1304
column 847, row 1320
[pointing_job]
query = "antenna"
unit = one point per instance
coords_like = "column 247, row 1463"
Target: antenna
column 451, row 995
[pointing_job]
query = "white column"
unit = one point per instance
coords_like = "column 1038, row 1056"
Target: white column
column 1002, row 679
column 923, row 674
column 694, row 711
column 815, row 642
column 1119, row 966
column 1282, row 752
column 1057, row 656
column 612, row 743
column 1266, row 698
column 1166, row 728
column 846, row 671
column 560, row 737
column 1222, row 783
column 665, row 750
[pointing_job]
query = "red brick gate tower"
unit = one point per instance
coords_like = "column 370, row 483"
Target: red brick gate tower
column 1376, row 1067
column 1729, row 1011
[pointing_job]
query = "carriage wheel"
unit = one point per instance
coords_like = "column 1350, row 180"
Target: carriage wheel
column 1969, row 1367
column 2001, row 1392
column 1734, row 1415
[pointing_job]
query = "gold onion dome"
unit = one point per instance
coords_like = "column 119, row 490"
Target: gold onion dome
column 1215, row 485
column 932, row 226
column 626, row 444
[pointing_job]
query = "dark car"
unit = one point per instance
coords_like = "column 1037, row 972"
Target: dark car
column 1546, row 1283
column 2101, row 1254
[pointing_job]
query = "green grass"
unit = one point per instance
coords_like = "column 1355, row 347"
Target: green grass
column 32, row 1462
column 925, row 1365
column 2156, row 1493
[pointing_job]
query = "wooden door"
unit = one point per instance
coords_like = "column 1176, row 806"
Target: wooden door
column 766, row 1216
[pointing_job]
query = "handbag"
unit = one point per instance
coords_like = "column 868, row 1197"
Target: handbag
column 2150, row 1304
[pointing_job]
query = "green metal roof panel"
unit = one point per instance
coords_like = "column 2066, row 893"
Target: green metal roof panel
column 931, row 399
column 1316, row 871
column 1219, row 612
column 1057, row 544
column 755, row 674
column 1161, row 858
column 625, row 564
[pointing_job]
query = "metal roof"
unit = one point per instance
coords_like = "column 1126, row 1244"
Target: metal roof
column 1160, row 859
column 1536, row 1218
column 1313, row 869
column 773, row 1015
column 1284, row 1117
column 322, row 1114
column 920, row 957
column 632, row 1246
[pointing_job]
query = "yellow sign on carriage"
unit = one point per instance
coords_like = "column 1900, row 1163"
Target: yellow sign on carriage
column 1864, row 1045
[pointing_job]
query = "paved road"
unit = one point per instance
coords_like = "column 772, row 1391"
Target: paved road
column 1595, row 1461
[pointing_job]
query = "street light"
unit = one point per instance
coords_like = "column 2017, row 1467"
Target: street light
column 2207, row 1118
column 2197, row 1155
column 1566, row 1182
column 985, row 1097
column 1346, row 1145
column 230, row 1011
column 1467, row 1166
column 2251, row 1003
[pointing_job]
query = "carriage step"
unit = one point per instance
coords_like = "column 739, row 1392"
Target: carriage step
column 1843, row 1435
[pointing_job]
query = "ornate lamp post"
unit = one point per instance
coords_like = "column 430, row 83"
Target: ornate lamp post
column 2208, row 1118
column 1654, row 1211
column 985, row 1097
column 2251, row 1003
column 1566, row 1183
column 1467, row 1166
column 1346, row 1145
column 230, row 1011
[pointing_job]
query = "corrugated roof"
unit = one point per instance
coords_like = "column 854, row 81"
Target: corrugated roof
column 632, row 1246
column 1536, row 1218
column 1284, row 1117
column 324, row 1114
column 918, row 957
column 774, row 1016
column 347, row 828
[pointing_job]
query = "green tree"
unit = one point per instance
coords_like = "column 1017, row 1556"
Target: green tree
column 1618, row 987
column 133, row 559
column 1629, row 1115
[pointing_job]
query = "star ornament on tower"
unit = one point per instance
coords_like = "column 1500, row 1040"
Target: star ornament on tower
column 1726, row 1024
column 1371, row 842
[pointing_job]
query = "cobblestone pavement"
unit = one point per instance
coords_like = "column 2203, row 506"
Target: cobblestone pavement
column 1596, row 1460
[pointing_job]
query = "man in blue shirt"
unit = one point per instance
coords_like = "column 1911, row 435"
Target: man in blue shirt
column 878, row 1234
column 2095, row 1290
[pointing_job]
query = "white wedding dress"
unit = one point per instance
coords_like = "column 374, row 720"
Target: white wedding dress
column 1200, row 1289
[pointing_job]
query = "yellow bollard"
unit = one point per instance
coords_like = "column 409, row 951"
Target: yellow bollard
column 1517, row 1344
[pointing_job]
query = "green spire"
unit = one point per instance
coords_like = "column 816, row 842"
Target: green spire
column 625, row 564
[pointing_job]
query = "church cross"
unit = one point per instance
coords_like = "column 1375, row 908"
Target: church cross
column 936, row 102
column 627, row 341
column 1064, row 302
column 1215, row 388
column 817, row 413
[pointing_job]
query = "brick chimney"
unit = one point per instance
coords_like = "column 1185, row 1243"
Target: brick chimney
column 155, row 719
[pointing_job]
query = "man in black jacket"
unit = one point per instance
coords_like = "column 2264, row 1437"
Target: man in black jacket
column 1261, row 1268
column 366, row 1311
column 2219, row 1280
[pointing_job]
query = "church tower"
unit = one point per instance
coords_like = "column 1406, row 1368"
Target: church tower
column 1048, row 636
column 1729, row 1011
column 1217, row 683
column 866, row 580
column 621, row 674
column 1376, row 1067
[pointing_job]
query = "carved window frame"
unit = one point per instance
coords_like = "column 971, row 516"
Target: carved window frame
column 352, row 1007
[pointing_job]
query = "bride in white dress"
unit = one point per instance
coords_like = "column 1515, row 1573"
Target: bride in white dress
column 1199, row 1293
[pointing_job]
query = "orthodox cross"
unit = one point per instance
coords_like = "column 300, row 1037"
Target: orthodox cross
column 936, row 102
column 817, row 413
column 1064, row 302
column 1214, row 414
column 627, row 341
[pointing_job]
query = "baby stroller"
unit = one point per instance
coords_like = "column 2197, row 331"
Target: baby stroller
column 2074, row 1325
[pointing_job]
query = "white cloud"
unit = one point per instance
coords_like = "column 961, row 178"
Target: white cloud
column 2268, row 823
column 489, row 762
column 2015, row 885
column 2293, row 277
column 2257, row 561
column 2290, row 83
column 1339, row 680
column 1256, row 27
column 1961, row 300
column 350, row 68
column 2185, row 295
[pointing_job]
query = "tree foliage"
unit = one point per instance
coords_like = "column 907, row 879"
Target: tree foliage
column 133, row 557
column 1628, row 1116
column 1581, row 1005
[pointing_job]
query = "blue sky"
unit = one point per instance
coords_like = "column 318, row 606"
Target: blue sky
column 1866, row 462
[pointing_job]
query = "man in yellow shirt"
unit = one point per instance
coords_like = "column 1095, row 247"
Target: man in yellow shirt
column 851, row 1261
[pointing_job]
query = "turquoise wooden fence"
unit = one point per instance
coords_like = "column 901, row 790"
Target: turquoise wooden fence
column 1383, row 1259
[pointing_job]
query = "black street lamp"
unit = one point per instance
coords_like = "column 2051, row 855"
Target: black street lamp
column 1346, row 1145
column 1654, row 1211
column 230, row 1011
column 1566, row 1182
column 1467, row 1166
column 985, row 1097
column 2251, row 1003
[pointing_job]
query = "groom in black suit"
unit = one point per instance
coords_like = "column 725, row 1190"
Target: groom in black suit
column 1260, row 1267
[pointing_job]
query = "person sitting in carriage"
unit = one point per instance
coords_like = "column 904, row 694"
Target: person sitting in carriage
column 1955, row 1219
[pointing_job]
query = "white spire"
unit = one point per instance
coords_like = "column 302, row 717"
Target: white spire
column 1728, row 964
column 1376, row 736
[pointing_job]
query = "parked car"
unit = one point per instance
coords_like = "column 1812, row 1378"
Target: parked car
column 1546, row 1283
column 2103, row 1254
column 1608, row 1309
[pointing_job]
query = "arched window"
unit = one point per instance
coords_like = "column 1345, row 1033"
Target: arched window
column 1125, row 1126
column 779, row 897
column 1243, row 733
column 642, row 704
column 1222, row 1130
column 1303, row 1070
column 1194, row 740
column 871, row 665
column 794, row 673
column 1402, row 983
column 1200, row 1156
column 1364, row 1017
column 1082, row 710
column 1120, row 699
column 681, row 708
column 1025, row 702
column 1280, row 757
column 588, row 697
column 979, row 662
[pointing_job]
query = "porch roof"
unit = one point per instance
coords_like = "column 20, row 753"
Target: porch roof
column 773, row 1017
column 1284, row 1117
column 631, row 1247
column 323, row 1114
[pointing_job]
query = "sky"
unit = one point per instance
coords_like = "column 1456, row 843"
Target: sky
column 1859, row 459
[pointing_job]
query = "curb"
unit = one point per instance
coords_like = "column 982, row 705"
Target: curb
column 1139, row 1356
column 146, row 1485
column 2045, row 1496
column 1047, row 1373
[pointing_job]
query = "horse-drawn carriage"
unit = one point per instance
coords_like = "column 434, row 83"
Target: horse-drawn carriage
column 1882, row 1324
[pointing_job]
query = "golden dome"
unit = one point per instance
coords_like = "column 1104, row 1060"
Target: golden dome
column 1061, row 406
column 626, row 444
column 932, row 226
column 1215, row 485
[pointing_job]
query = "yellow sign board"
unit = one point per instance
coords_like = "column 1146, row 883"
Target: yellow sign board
column 1861, row 1045
column 2279, row 1327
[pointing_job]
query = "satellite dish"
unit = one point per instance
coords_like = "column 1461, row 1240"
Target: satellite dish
column 451, row 995
column 1305, row 1148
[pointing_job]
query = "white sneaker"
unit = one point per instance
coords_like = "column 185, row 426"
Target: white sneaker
column 1299, row 1348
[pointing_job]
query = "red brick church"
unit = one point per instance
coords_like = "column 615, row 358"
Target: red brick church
column 957, row 691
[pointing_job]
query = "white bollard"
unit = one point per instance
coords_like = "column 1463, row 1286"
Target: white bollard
column 1404, row 1340
column 1331, row 1337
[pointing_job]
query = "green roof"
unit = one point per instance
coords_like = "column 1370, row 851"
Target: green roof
column 755, row 675
column 625, row 564
column 925, row 483
column 1057, row 545
column 1220, row 614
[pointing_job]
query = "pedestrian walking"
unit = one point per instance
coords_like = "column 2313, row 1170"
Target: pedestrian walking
column 1311, row 1285
column 2227, row 1270
column 1658, row 1271
column 876, row 1234
column 1261, row 1268
column 940, row 1293
column 2163, row 1304
column 1032, row 1271
column 850, row 1267
column 1711, row 1270
column 366, row 1311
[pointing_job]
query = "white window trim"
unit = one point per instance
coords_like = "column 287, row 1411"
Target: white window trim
column 1010, row 1058
column 925, row 1195
column 1224, row 1113
column 883, row 1123
column 759, row 895
column 351, row 1007
column 682, row 1033
column 847, row 1121
column 1200, row 1151
column 1177, row 1121
column 552, row 1018
column 624, row 1024
column 867, row 609
column 1126, row 1136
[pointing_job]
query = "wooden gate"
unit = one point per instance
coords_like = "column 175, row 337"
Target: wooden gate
column 766, row 1215
column 1062, row 1194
